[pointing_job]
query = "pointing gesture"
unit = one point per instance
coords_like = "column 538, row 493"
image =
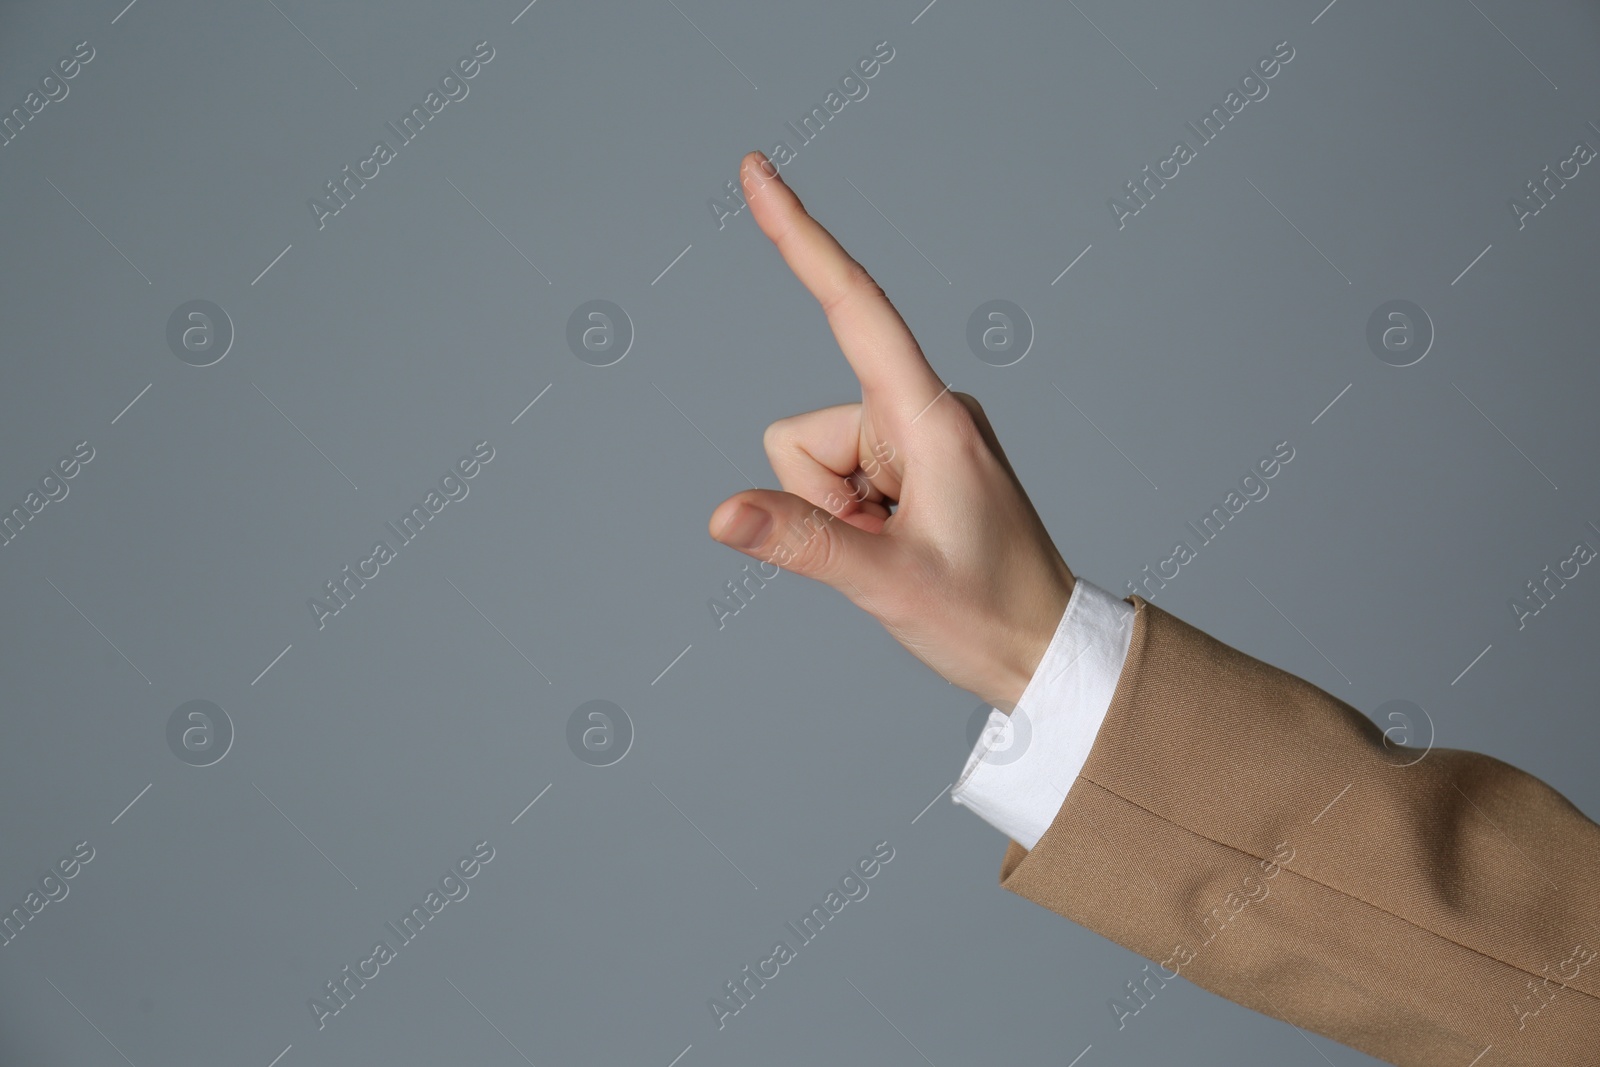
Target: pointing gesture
column 904, row 502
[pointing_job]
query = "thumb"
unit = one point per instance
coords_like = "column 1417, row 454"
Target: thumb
column 801, row 537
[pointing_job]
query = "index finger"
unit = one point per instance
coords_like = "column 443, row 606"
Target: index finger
column 880, row 347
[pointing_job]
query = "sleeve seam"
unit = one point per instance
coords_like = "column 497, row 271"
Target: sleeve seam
column 1334, row 889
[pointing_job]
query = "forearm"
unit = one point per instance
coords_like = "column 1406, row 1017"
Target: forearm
column 1251, row 832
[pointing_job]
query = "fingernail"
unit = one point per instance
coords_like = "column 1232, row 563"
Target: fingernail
column 747, row 528
column 765, row 168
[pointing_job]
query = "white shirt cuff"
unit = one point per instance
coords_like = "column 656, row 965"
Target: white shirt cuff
column 1023, row 764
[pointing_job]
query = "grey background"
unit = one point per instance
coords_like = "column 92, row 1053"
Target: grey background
column 800, row 734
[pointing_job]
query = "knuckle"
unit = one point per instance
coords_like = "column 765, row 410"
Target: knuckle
column 778, row 437
column 969, row 427
column 857, row 283
column 818, row 549
column 772, row 436
column 967, row 430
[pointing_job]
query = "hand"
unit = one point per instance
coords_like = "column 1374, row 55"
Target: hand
column 905, row 502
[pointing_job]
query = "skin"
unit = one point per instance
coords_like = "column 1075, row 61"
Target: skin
column 904, row 502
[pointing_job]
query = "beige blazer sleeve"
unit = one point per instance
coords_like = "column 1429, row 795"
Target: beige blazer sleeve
column 1243, row 829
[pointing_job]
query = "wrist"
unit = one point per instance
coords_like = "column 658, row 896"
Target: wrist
column 1042, row 620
